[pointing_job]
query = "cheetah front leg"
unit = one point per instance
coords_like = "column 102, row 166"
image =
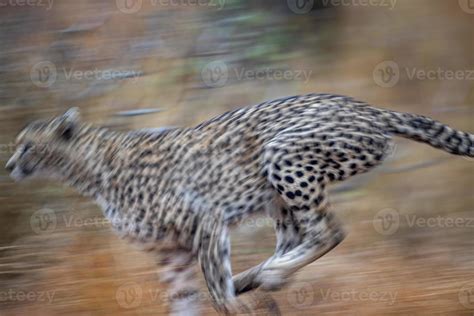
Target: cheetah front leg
column 178, row 272
column 214, row 259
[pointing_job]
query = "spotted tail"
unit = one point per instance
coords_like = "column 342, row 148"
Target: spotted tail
column 429, row 131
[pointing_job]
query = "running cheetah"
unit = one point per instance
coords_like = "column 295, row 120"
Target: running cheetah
column 178, row 191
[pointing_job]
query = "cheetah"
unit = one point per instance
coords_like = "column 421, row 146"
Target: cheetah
column 178, row 191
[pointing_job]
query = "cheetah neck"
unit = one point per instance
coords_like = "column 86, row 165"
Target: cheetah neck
column 96, row 156
column 104, row 161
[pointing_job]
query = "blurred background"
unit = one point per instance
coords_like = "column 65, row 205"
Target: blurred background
column 152, row 63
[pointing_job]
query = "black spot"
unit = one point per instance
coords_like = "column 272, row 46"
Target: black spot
column 299, row 174
column 289, row 179
column 276, row 177
column 290, row 195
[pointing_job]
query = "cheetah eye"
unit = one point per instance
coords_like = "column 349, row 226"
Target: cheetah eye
column 67, row 132
column 25, row 148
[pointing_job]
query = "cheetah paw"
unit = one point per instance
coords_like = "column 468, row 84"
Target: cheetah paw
column 272, row 280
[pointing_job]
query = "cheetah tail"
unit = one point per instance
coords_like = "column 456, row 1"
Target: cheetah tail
column 429, row 131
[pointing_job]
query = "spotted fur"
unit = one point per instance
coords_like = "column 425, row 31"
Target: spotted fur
column 177, row 191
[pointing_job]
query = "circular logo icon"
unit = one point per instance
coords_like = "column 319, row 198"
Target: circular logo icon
column 215, row 74
column 129, row 295
column 129, row 6
column 387, row 74
column 43, row 74
column 466, row 295
column 467, row 6
column 300, row 6
column 387, row 221
column 301, row 295
column 43, row 221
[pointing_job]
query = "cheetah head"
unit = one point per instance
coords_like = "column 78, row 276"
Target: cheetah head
column 42, row 146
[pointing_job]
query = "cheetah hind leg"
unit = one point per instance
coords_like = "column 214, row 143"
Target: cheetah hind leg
column 287, row 237
column 319, row 232
column 300, row 166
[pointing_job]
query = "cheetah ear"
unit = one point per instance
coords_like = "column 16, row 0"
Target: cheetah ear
column 68, row 124
column 72, row 115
